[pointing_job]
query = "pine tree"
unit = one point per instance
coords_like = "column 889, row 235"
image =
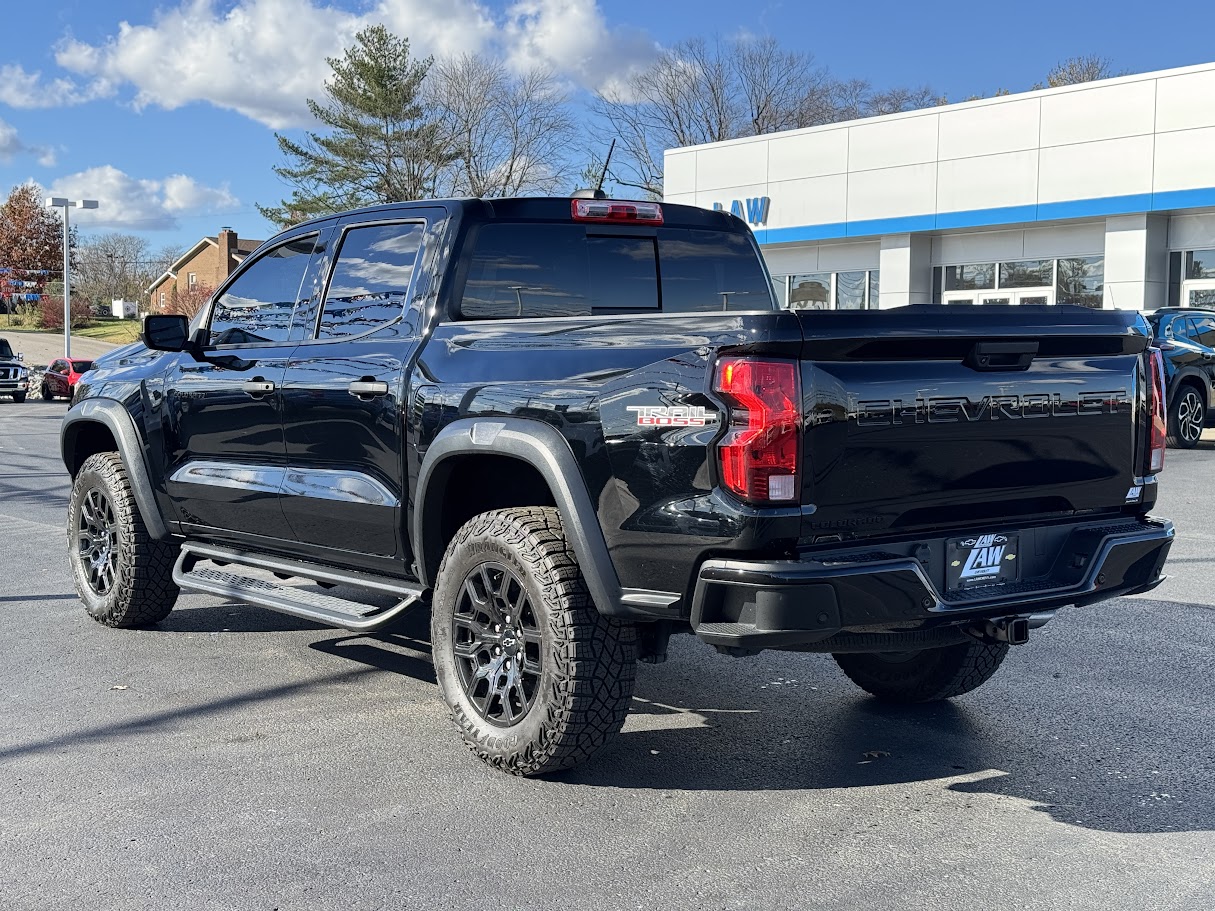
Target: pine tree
column 381, row 145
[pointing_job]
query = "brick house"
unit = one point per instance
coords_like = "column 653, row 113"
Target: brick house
column 207, row 263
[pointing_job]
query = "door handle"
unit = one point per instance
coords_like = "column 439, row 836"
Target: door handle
column 258, row 386
column 363, row 388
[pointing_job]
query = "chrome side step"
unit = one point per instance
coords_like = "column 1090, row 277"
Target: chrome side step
column 330, row 610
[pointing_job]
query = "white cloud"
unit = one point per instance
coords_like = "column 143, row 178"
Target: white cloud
column 572, row 38
column 22, row 89
column 263, row 58
column 140, row 205
column 11, row 146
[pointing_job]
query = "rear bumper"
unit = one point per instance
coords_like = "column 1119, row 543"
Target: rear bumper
column 800, row 603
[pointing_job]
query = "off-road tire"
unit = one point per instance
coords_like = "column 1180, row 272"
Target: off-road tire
column 18, row 397
column 924, row 676
column 587, row 661
column 143, row 591
column 1186, row 418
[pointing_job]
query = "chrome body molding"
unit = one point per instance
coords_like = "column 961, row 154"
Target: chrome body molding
column 337, row 484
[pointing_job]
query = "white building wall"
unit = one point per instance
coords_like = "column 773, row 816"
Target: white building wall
column 1039, row 175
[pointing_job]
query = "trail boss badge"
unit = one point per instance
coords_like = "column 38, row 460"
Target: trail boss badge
column 673, row 415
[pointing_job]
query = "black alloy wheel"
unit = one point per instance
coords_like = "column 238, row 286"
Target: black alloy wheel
column 97, row 541
column 123, row 575
column 536, row 678
column 497, row 642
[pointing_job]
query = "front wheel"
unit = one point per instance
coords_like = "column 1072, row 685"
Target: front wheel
column 18, row 397
column 1186, row 418
column 47, row 395
column 123, row 575
column 536, row 678
column 927, row 675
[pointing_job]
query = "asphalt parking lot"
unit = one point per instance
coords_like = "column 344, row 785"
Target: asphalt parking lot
column 234, row 758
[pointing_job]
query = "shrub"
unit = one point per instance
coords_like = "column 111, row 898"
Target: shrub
column 50, row 312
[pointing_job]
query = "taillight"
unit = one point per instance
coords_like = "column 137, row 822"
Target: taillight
column 759, row 452
column 613, row 212
column 1156, row 408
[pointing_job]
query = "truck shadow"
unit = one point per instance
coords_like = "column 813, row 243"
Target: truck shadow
column 817, row 732
column 793, row 722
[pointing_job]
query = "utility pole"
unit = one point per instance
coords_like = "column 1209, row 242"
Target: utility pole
column 59, row 202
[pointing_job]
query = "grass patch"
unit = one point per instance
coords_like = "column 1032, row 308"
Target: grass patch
column 119, row 331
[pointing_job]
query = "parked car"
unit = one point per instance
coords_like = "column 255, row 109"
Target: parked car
column 62, row 375
column 14, row 375
column 1187, row 338
column 573, row 428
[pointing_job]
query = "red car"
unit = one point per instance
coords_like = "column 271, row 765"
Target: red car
column 61, row 376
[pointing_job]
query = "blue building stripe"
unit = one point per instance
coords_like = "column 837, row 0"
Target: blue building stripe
column 1006, row 215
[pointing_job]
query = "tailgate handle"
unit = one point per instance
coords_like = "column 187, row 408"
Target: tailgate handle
column 1001, row 355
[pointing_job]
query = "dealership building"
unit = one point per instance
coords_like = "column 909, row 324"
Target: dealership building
column 1100, row 194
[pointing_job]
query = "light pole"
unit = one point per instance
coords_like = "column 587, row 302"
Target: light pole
column 59, row 202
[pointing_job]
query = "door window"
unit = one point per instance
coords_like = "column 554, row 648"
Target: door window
column 371, row 279
column 256, row 308
column 1202, row 330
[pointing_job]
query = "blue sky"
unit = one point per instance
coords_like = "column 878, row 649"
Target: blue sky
column 166, row 111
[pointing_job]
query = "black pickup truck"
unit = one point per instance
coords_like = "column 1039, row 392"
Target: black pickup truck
column 573, row 427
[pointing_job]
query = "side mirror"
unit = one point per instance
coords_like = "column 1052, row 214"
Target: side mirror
column 166, row 332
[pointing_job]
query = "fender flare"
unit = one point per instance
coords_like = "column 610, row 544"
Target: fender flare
column 543, row 448
column 1200, row 379
column 114, row 417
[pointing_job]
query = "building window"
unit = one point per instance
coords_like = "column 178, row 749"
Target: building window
column 1200, row 264
column 162, row 300
column 973, row 277
column 1078, row 280
column 856, row 290
column 191, row 280
column 1192, row 278
column 1029, row 273
column 1081, row 281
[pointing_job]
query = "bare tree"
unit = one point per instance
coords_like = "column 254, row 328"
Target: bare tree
column 508, row 135
column 781, row 90
column 701, row 92
column 1075, row 70
column 112, row 266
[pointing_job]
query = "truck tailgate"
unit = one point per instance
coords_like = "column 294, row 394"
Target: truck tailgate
column 934, row 417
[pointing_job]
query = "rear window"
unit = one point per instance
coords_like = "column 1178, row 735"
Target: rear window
column 539, row 270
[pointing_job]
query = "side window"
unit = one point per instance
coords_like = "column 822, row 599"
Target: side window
column 257, row 307
column 371, row 279
column 56, row 367
column 527, row 271
column 1202, row 330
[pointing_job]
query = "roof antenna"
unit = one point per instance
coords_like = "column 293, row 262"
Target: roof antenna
column 597, row 193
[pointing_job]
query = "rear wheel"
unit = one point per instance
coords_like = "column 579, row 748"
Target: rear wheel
column 1186, row 416
column 536, row 678
column 927, row 675
column 123, row 575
